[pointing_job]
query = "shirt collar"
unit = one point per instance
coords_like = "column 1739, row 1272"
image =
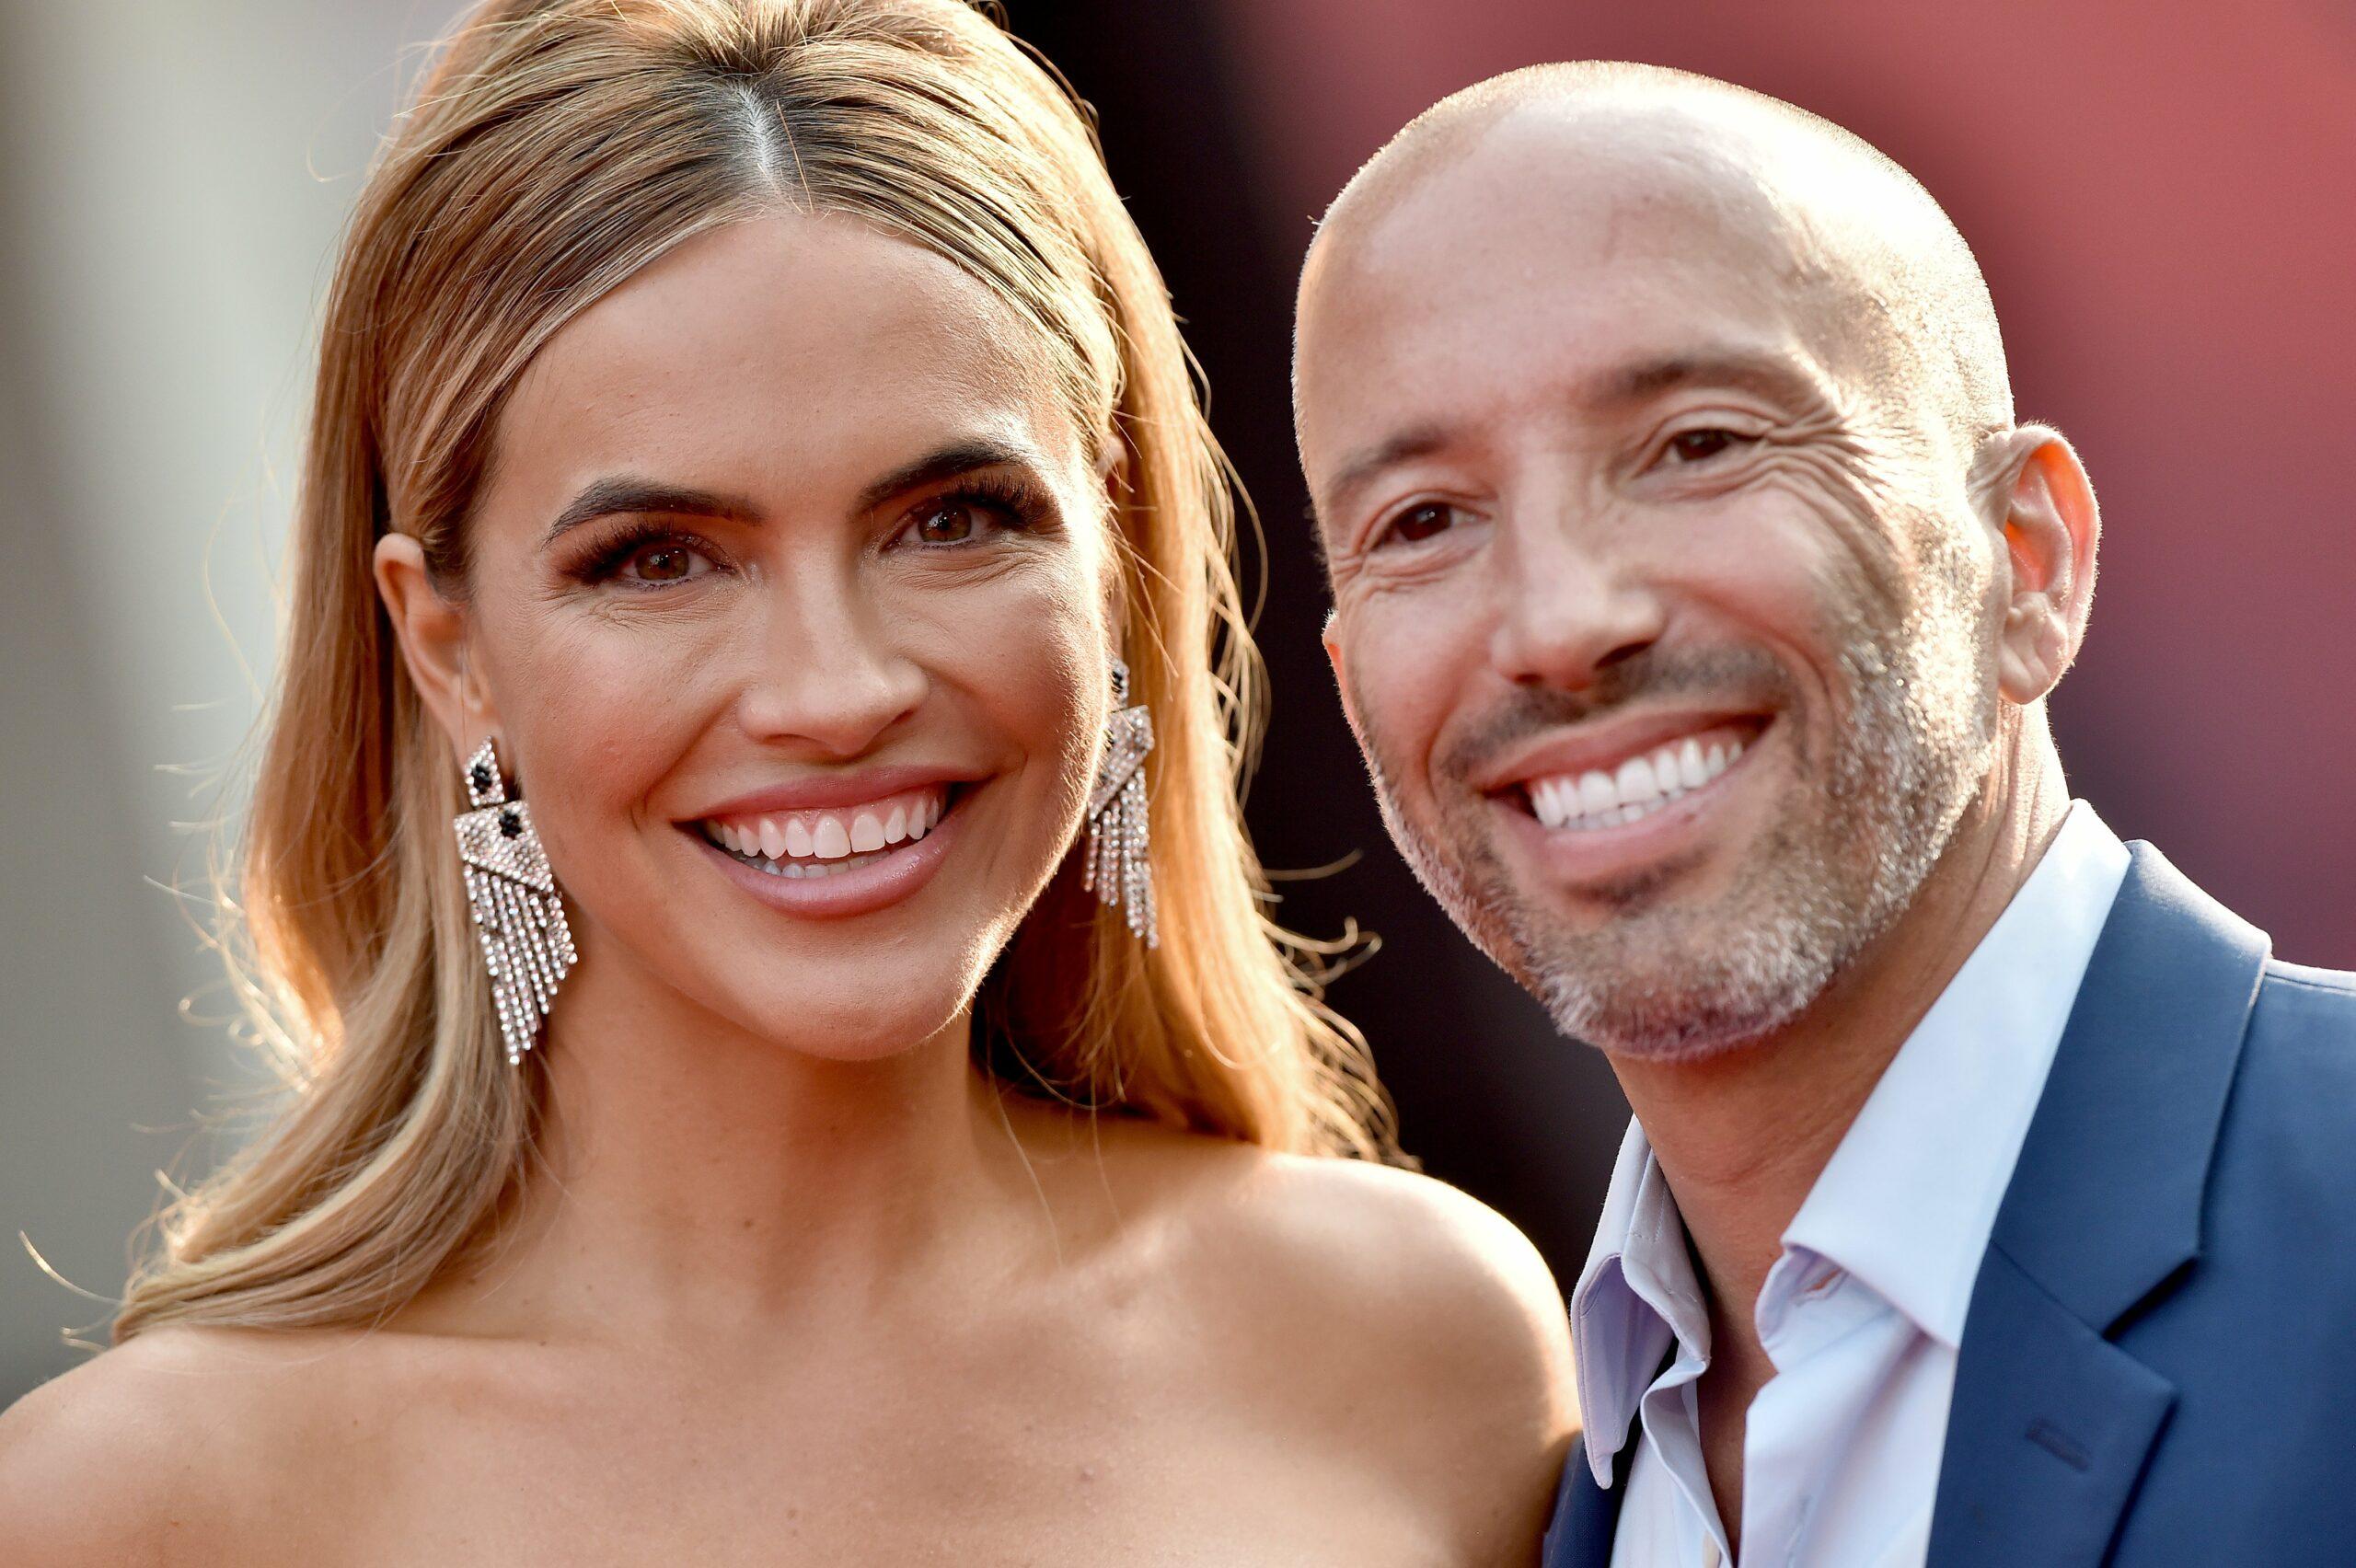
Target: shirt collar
column 1909, row 1196
column 1635, row 1298
column 1909, row 1199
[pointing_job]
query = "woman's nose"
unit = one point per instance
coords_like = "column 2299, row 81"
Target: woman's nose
column 826, row 670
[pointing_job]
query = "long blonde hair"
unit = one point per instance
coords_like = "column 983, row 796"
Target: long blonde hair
column 554, row 149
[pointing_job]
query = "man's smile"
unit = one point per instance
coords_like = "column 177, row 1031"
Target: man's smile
column 1600, row 804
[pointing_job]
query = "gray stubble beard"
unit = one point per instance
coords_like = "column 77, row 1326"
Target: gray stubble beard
column 1681, row 984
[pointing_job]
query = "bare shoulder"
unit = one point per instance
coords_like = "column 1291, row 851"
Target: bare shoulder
column 1446, row 1290
column 1420, row 1272
column 1395, row 1322
column 153, row 1451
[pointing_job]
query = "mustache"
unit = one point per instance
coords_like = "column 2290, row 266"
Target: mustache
column 1740, row 676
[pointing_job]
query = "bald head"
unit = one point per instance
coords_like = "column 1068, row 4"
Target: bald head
column 1874, row 274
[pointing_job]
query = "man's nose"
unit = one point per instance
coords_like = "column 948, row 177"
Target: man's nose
column 1571, row 604
column 826, row 670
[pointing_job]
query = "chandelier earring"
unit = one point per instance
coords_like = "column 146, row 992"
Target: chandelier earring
column 1116, row 867
column 527, row 943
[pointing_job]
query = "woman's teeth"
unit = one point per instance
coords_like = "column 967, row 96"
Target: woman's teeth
column 1585, row 801
column 821, row 843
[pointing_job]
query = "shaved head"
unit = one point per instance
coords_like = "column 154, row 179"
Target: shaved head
column 1893, row 290
column 1690, row 576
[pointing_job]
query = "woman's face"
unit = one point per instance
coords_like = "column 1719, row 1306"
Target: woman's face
column 788, row 597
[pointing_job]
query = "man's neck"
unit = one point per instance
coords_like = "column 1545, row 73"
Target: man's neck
column 1741, row 1138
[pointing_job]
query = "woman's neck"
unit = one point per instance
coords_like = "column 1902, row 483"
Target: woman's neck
column 692, row 1172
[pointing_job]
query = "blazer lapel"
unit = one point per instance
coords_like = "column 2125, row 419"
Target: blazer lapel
column 2053, row 1423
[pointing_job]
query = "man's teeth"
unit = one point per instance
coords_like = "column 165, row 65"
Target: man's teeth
column 821, row 843
column 1642, row 786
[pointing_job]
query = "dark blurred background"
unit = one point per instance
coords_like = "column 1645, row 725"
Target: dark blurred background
column 2164, row 198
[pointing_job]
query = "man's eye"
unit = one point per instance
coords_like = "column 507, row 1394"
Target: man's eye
column 1700, row 445
column 1420, row 523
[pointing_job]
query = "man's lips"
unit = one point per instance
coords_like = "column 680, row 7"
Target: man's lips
column 1608, row 746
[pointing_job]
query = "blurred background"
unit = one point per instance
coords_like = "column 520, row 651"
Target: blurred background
column 2164, row 198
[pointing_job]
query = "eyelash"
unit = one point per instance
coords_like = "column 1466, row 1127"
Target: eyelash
column 1737, row 439
column 1387, row 535
column 1025, row 507
column 611, row 553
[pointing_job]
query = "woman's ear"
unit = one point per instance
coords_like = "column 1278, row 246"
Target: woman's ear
column 431, row 631
column 2052, row 529
column 1113, row 475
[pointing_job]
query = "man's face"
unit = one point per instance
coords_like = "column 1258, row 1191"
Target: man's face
column 1662, row 614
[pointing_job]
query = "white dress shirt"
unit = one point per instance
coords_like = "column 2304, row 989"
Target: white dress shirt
column 1862, row 1312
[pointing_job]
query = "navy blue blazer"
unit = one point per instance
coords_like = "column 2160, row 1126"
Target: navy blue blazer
column 2158, row 1368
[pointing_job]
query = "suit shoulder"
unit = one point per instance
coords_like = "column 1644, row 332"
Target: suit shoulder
column 2304, row 1022
column 2300, row 977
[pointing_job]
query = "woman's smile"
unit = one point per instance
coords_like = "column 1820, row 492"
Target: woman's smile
column 845, row 846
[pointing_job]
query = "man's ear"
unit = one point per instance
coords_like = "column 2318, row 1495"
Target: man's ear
column 2052, row 529
column 1334, row 656
column 431, row 631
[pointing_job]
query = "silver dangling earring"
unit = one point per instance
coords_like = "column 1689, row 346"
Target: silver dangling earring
column 527, row 943
column 1116, row 869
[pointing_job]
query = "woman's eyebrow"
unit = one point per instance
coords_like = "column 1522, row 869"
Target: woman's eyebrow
column 946, row 463
column 626, row 495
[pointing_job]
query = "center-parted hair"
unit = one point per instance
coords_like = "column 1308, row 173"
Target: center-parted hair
column 552, row 151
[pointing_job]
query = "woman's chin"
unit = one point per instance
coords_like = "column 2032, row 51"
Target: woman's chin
column 854, row 1018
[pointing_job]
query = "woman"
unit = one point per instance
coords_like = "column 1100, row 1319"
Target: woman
column 756, row 1135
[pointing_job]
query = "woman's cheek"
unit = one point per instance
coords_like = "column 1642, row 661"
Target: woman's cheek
column 602, row 713
column 1031, row 651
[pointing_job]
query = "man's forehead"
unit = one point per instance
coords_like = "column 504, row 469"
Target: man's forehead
column 1569, row 287
column 1591, row 157
column 1548, row 227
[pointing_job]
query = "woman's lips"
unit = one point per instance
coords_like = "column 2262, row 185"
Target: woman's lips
column 832, row 879
column 823, row 841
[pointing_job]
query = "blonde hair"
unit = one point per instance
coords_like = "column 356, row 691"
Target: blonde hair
column 555, row 149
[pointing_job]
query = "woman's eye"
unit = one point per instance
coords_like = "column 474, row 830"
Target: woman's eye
column 667, row 561
column 1700, row 445
column 1420, row 523
column 949, row 522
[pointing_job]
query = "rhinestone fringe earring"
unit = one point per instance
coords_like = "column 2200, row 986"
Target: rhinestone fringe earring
column 527, row 943
column 1116, row 868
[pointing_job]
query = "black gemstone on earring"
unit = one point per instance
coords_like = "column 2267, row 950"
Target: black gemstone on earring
column 510, row 825
column 482, row 777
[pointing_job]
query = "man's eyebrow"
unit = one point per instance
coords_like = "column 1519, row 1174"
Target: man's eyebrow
column 624, row 495
column 1770, row 375
column 1367, row 465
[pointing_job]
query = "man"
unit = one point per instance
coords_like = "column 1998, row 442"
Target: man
column 1992, row 1198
